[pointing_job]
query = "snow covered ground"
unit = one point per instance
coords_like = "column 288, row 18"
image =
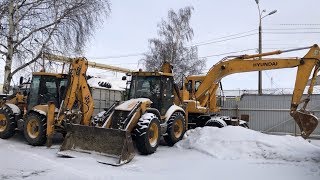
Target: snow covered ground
column 205, row 153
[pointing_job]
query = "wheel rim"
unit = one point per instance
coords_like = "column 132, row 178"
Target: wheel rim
column 33, row 128
column 153, row 134
column 3, row 123
column 178, row 128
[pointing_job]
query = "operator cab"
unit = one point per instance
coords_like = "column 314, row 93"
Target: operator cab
column 154, row 86
column 47, row 87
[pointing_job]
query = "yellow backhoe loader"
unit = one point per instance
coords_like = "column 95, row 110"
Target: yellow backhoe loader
column 26, row 112
column 148, row 114
column 199, row 91
column 69, row 93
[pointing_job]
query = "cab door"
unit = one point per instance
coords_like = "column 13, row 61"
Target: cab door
column 167, row 94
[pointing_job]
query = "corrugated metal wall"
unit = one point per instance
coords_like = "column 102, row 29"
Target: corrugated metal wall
column 269, row 113
column 104, row 98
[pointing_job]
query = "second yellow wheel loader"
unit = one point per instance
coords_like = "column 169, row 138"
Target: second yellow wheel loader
column 27, row 111
column 149, row 114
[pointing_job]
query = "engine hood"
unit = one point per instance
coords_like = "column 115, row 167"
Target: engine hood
column 129, row 105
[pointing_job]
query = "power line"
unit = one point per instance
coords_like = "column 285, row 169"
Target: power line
column 226, row 38
column 218, row 40
column 119, row 56
column 305, row 32
column 223, row 37
column 293, row 24
column 229, row 53
column 212, row 42
column 282, row 29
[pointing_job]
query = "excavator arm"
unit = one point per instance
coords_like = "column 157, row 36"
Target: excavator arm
column 249, row 63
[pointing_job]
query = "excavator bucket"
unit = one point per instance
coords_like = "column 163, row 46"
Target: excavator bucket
column 107, row 146
column 306, row 121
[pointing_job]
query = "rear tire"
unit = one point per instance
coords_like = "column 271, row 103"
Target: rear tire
column 176, row 128
column 147, row 133
column 245, row 125
column 35, row 129
column 213, row 123
column 8, row 129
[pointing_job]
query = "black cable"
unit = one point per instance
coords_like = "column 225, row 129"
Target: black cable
column 293, row 24
column 120, row 56
column 302, row 32
column 282, row 29
column 223, row 37
column 212, row 42
column 229, row 53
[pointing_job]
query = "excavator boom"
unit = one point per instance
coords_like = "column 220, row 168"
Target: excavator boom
column 248, row 63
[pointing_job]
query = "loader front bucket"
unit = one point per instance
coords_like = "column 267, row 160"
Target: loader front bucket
column 306, row 121
column 107, row 146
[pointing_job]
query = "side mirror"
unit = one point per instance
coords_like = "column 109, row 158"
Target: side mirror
column 124, row 78
column 21, row 80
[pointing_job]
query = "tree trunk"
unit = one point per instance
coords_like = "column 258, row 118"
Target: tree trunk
column 9, row 55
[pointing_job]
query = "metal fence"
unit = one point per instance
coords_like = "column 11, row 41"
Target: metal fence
column 104, row 98
column 269, row 113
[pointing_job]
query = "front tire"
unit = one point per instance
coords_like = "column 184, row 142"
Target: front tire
column 35, row 129
column 8, row 124
column 147, row 133
column 176, row 128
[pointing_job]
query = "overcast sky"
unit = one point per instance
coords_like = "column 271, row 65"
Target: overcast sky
column 132, row 23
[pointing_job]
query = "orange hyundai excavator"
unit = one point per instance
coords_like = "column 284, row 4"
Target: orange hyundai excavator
column 199, row 91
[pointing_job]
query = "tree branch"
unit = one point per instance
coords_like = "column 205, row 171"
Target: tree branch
column 39, row 53
column 3, row 46
column 26, row 12
column 2, row 52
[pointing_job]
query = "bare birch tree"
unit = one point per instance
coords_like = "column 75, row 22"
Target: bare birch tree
column 171, row 46
column 29, row 27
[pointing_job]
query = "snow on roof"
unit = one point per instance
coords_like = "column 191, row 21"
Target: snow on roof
column 115, row 82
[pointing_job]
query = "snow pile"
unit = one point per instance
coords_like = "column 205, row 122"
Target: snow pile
column 240, row 143
column 116, row 83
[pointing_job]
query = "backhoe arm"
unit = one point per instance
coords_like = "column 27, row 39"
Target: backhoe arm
column 78, row 91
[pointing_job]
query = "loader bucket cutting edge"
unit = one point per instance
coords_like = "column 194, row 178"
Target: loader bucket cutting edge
column 107, row 146
column 306, row 121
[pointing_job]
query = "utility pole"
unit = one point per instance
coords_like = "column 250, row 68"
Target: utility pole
column 260, row 58
column 260, row 42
